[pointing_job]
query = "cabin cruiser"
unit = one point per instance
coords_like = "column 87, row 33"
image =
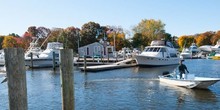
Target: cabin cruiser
column 159, row 53
column 33, row 49
column 194, row 50
column 185, row 54
column 48, row 58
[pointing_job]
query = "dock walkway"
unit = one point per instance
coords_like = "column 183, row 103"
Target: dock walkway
column 122, row 64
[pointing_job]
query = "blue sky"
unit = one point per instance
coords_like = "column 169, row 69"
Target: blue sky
column 182, row 17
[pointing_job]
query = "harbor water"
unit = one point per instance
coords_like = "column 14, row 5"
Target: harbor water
column 135, row 88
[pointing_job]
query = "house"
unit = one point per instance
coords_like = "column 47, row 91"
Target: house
column 96, row 49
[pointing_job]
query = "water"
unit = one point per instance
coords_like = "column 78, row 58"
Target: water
column 133, row 88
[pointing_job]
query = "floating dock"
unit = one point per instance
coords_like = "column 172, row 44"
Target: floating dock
column 122, row 64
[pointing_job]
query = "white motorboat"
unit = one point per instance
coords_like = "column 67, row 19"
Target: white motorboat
column 185, row 54
column 34, row 48
column 48, row 58
column 189, row 82
column 194, row 50
column 206, row 48
column 159, row 53
column 217, row 46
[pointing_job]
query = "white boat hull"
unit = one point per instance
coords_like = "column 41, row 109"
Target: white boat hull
column 197, row 82
column 41, row 62
column 185, row 56
column 143, row 60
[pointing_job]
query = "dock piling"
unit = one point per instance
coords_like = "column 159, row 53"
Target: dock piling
column 32, row 64
column 85, row 63
column 67, row 85
column 54, row 63
column 16, row 74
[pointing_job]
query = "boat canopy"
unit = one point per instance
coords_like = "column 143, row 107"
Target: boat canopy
column 161, row 43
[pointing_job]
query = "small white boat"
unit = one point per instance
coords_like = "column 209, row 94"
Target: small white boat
column 45, row 58
column 185, row 54
column 159, row 53
column 190, row 82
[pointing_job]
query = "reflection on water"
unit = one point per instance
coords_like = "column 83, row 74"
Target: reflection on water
column 203, row 95
column 135, row 88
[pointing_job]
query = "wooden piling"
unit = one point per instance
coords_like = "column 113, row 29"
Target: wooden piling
column 66, row 71
column 85, row 63
column 54, row 63
column 16, row 74
column 32, row 64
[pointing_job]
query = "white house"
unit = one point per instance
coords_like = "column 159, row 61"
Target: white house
column 96, row 49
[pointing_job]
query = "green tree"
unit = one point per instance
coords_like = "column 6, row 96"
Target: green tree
column 137, row 40
column 88, row 33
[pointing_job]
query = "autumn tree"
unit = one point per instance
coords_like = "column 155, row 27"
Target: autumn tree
column 185, row 41
column 215, row 38
column 152, row 29
column 115, row 36
column 9, row 41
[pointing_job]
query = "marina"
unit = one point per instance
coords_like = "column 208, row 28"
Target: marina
column 126, row 88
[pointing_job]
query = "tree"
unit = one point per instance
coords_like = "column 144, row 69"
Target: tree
column 9, row 41
column 185, row 41
column 88, row 33
column 215, row 38
column 152, row 29
column 204, row 38
column 73, row 38
column 137, row 40
column 1, row 41
column 115, row 34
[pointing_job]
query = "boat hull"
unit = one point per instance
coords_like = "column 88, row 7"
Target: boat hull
column 41, row 63
column 155, row 61
column 197, row 82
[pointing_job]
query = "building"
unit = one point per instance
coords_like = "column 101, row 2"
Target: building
column 96, row 49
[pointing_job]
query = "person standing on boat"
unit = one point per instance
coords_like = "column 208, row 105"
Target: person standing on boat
column 182, row 69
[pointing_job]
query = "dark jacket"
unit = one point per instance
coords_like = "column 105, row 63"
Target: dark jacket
column 182, row 68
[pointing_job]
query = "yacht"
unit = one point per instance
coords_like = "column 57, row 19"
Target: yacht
column 194, row 50
column 185, row 54
column 34, row 48
column 159, row 53
column 48, row 58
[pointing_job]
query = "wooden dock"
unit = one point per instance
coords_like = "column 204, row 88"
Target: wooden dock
column 122, row 64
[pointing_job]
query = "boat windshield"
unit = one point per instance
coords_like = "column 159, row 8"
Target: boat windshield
column 152, row 49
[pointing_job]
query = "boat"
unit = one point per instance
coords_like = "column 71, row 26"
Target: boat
column 185, row 54
column 206, row 48
column 159, row 53
column 217, row 46
column 194, row 50
column 216, row 56
column 48, row 58
column 189, row 82
column 34, row 48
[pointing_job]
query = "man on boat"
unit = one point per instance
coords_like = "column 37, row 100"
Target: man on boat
column 182, row 69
